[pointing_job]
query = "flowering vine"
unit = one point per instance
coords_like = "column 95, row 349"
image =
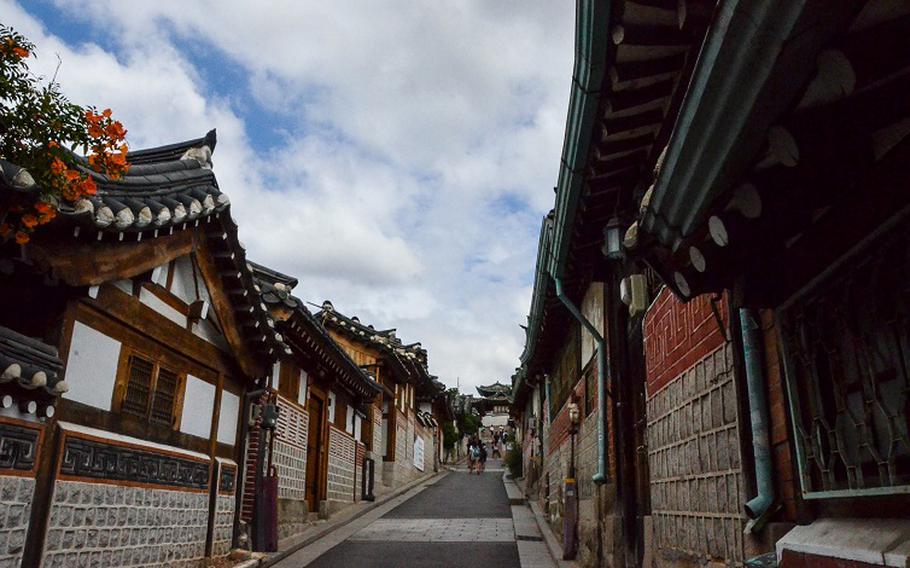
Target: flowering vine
column 40, row 131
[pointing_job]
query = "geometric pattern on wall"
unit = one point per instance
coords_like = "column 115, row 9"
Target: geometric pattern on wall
column 694, row 463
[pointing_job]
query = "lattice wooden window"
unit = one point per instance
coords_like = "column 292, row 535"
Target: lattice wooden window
column 138, row 387
column 847, row 358
column 150, row 391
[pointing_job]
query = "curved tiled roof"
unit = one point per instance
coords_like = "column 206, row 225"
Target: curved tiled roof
column 164, row 187
column 30, row 364
column 305, row 331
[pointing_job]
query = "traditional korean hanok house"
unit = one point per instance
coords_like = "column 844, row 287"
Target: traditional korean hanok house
column 145, row 291
column 397, row 435
column 785, row 185
column 580, row 393
column 494, row 405
column 323, row 398
column 432, row 411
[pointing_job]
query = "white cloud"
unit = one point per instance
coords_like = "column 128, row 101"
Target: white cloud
column 417, row 147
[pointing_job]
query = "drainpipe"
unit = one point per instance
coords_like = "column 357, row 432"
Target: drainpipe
column 601, row 476
column 759, row 506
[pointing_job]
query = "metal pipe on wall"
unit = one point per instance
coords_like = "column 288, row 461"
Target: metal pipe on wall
column 602, row 370
column 757, row 507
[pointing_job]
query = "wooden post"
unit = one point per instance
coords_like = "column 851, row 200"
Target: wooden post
column 215, row 469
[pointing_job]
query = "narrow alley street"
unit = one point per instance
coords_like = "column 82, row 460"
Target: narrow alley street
column 458, row 521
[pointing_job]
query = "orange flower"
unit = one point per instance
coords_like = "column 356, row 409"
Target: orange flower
column 20, row 51
column 53, row 144
column 29, row 220
column 95, row 131
column 22, row 237
column 43, row 208
column 58, row 167
column 89, row 187
column 106, row 113
column 47, row 217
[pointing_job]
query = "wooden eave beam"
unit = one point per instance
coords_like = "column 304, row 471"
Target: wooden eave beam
column 79, row 263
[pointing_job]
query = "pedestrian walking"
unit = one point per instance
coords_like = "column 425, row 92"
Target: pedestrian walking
column 482, row 457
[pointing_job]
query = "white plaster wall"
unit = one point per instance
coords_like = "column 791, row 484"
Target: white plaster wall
column 91, row 367
column 198, row 405
column 592, row 307
column 162, row 274
column 161, row 307
column 350, row 419
column 227, row 419
column 302, row 394
column 207, row 331
column 125, row 286
column 331, row 405
column 182, row 285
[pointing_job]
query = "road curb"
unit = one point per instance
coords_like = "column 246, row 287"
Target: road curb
column 277, row 557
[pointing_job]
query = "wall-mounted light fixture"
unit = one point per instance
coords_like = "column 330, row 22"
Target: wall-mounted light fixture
column 613, row 234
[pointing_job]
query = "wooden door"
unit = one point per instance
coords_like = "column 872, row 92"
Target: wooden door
column 314, row 451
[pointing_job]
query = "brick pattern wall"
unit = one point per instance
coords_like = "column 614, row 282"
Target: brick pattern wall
column 15, row 508
column 693, row 439
column 290, row 450
column 101, row 524
column 677, row 335
column 341, row 466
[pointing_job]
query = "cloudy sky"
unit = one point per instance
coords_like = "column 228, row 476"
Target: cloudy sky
column 395, row 156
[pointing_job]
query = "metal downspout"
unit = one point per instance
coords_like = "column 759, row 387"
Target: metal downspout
column 759, row 506
column 601, row 476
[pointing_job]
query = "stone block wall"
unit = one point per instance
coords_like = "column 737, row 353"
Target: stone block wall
column 225, row 506
column 290, row 450
column 341, row 466
column 378, row 448
column 15, row 508
column 20, row 442
column 101, row 524
column 693, row 439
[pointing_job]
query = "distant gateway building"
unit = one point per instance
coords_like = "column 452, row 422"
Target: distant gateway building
column 494, row 404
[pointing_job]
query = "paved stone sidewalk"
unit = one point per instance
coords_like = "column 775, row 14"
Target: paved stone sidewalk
column 460, row 521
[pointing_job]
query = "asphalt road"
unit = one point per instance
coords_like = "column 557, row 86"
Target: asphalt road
column 462, row 521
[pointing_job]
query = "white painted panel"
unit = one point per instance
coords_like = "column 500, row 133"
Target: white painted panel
column 162, row 274
column 592, row 308
column 160, row 306
column 207, row 331
column 331, row 407
column 125, row 286
column 227, row 420
column 349, row 419
column 184, row 286
column 358, row 428
column 302, row 394
column 91, row 368
column 198, row 405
